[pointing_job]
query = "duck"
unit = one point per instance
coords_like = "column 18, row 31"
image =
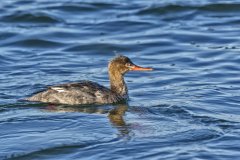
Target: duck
column 88, row 92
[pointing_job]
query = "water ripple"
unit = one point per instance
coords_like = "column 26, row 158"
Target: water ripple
column 25, row 17
column 33, row 43
column 187, row 108
column 175, row 8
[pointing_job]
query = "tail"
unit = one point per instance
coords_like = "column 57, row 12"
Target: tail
column 35, row 98
column 23, row 99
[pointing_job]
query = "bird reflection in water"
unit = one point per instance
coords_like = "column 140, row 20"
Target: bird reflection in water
column 115, row 114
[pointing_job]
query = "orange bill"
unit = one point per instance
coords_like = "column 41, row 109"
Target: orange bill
column 138, row 68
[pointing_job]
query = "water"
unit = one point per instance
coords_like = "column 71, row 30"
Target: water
column 187, row 108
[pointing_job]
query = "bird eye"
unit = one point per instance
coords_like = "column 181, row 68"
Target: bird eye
column 128, row 65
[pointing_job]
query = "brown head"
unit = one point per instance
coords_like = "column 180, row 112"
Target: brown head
column 122, row 64
column 116, row 69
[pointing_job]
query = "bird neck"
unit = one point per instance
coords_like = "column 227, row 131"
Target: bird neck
column 117, row 83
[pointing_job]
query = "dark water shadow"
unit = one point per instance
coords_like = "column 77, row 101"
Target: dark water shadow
column 115, row 114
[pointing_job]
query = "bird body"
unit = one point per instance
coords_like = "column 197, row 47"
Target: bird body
column 87, row 92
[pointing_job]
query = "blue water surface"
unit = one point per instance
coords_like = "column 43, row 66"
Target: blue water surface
column 187, row 108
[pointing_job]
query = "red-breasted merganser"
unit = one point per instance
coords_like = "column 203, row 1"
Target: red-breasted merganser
column 87, row 92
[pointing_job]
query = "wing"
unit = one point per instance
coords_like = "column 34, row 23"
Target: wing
column 82, row 85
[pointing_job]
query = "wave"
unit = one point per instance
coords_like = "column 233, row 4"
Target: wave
column 175, row 8
column 33, row 43
column 32, row 17
column 61, row 150
column 82, row 7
